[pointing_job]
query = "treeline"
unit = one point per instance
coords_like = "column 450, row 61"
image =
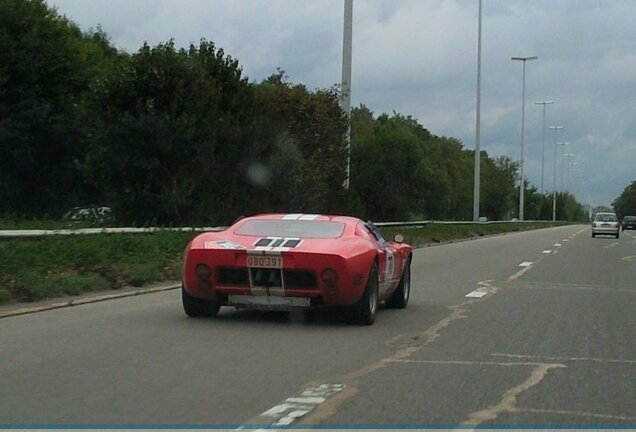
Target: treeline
column 180, row 136
column 625, row 203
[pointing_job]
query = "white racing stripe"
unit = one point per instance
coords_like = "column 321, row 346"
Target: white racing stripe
column 308, row 217
column 300, row 216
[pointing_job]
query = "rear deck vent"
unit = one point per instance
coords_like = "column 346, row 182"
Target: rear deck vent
column 263, row 242
column 292, row 243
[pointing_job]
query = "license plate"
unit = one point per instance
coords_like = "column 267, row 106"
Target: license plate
column 265, row 261
column 269, row 302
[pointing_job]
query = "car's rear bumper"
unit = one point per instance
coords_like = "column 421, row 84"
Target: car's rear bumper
column 605, row 231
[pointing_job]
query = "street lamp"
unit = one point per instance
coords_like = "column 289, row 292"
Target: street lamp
column 556, row 131
column 563, row 144
column 567, row 175
column 477, row 125
column 544, row 103
column 523, row 113
column 345, row 101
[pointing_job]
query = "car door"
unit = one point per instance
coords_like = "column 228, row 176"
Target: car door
column 390, row 267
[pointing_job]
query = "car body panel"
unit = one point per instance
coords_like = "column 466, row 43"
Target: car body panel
column 629, row 222
column 240, row 263
column 605, row 223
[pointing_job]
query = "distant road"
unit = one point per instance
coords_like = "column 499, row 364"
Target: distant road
column 547, row 335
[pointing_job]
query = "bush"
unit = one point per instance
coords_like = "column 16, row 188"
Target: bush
column 143, row 274
column 75, row 284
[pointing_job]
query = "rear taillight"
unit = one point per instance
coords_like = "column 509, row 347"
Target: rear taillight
column 329, row 278
column 593, row 224
column 202, row 271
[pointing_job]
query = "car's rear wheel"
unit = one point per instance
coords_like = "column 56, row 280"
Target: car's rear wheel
column 196, row 307
column 364, row 310
column 400, row 297
column 618, row 234
column 593, row 235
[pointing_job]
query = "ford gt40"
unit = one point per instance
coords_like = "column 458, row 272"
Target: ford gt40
column 296, row 261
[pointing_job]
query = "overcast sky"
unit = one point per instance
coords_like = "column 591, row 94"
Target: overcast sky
column 419, row 57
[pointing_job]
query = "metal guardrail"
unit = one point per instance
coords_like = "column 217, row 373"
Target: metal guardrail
column 9, row 234
column 434, row 222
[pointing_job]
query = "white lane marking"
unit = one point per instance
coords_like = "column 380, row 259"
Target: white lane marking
column 296, row 407
column 588, row 359
column 612, row 245
column 565, row 240
column 526, row 264
column 547, row 252
column 478, row 293
column 629, row 258
column 557, row 244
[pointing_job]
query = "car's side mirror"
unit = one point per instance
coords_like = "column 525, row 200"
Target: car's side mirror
column 398, row 238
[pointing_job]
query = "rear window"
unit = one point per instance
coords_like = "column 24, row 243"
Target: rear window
column 291, row 228
column 630, row 218
column 605, row 217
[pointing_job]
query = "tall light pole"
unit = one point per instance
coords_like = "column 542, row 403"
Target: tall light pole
column 345, row 101
column 563, row 163
column 476, row 183
column 523, row 116
column 556, row 131
column 563, row 144
column 567, row 175
column 544, row 103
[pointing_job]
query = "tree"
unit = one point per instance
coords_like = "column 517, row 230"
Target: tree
column 171, row 130
column 625, row 203
column 46, row 68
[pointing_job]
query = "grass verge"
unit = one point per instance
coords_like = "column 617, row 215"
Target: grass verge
column 38, row 268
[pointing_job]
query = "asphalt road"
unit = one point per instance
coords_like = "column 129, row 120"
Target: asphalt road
column 552, row 341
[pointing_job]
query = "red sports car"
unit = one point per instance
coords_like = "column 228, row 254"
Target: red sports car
column 290, row 261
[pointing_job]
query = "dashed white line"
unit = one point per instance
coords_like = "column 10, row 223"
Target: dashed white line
column 526, row 264
column 547, row 252
column 612, row 245
column 478, row 293
column 557, row 244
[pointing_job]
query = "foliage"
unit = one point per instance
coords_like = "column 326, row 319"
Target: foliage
column 178, row 136
column 625, row 203
column 46, row 68
column 37, row 268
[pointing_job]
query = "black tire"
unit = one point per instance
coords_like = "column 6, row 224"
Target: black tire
column 400, row 297
column 593, row 235
column 618, row 234
column 364, row 310
column 196, row 307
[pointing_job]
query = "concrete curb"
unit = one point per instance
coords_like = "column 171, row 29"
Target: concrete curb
column 88, row 300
